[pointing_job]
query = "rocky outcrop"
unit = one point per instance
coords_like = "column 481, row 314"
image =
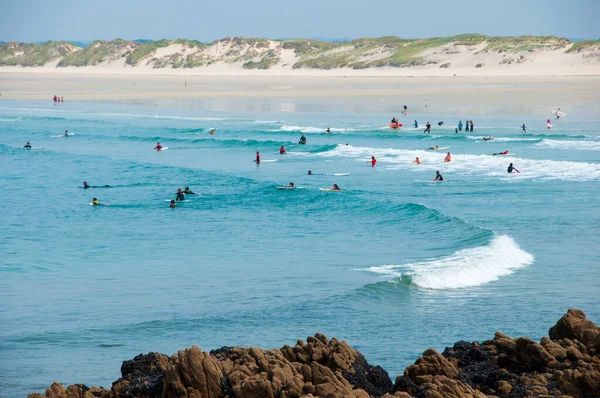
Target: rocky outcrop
column 565, row 364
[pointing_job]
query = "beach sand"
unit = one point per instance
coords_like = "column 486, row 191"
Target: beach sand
column 311, row 93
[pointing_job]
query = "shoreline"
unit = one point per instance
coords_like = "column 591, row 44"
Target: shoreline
column 565, row 363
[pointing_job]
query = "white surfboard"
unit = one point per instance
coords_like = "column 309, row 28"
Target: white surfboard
column 559, row 113
column 101, row 204
column 62, row 135
column 292, row 188
column 341, row 174
column 437, row 149
column 162, row 149
column 330, row 190
column 269, row 161
column 169, row 200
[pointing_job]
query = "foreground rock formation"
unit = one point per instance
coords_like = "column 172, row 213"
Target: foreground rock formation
column 565, row 364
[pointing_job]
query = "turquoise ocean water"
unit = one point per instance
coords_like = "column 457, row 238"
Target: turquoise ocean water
column 395, row 264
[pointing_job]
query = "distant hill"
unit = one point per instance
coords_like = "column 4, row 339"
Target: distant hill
column 461, row 51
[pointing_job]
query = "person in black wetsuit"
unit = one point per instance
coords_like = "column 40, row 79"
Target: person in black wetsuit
column 427, row 128
column 172, row 204
column 511, row 169
column 302, row 140
column 27, row 146
column 438, row 177
column 524, row 128
column 180, row 197
column 187, row 191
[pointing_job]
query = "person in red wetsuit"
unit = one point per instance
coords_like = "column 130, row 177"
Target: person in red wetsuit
column 282, row 150
column 55, row 99
column 257, row 160
column 158, row 147
column 373, row 161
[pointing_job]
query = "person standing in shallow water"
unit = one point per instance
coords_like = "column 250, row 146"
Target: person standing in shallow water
column 460, row 126
column 471, row 126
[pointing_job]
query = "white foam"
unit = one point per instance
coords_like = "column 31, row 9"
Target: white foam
column 503, row 139
column 308, row 129
column 465, row 268
column 482, row 165
column 562, row 144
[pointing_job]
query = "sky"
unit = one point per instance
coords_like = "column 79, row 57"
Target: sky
column 207, row 20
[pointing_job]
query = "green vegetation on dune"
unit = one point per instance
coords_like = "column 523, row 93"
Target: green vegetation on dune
column 585, row 45
column 98, row 52
column 525, row 43
column 21, row 54
column 143, row 50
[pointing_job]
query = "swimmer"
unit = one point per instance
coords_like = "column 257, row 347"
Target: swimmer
column 158, row 147
column 438, row 177
column 291, row 185
column 282, row 150
column 95, row 202
column 66, row 134
column 491, row 137
column 172, row 204
column 448, row 158
column 27, row 145
column 212, row 132
column 511, row 169
column 417, row 161
column 373, row 161
column 310, row 173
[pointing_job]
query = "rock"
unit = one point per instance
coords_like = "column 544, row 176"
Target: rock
column 566, row 364
column 574, row 325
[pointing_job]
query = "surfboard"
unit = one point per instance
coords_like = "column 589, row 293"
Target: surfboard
column 330, row 190
column 559, row 113
column 101, row 204
column 34, row 148
column 162, row 149
column 62, row 135
column 269, row 161
column 282, row 188
column 169, row 200
column 437, row 149
column 341, row 174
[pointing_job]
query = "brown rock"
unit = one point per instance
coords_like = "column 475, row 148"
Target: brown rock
column 574, row 325
column 504, row 387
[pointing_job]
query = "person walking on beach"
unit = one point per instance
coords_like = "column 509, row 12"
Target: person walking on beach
column 511, row 169
column 524, row 128
column 427, row 128
column 460, row 126
column 438, row 176
column 448, row 158
column 62, row 99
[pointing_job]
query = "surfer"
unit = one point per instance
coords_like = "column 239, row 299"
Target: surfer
column 440, row 123
column 158, row 147
column 302, row 140
column 557, row 114
column 456, row 130
column 85, row 185
column 548, row 124
column 291, row 185
column 394, row 120
column 66, row 134
column 373, row 161
column 460, row 126
column 328, row 130
column 187, row 191
column 500, row 153
column 524, row 128
column 336, row 188
column 310, row 173
column 172, row 204
column 438, row 177
column 179, row 195
column 448, row 158
column 27, row 146
column 95, row 202
column 434, row 147
column 212, row 132
column 282, row 150
column 427, row 128
column 417, row 161
column 471, row 126
column 416, row 125
column 491, row 137
column 257, row 160
column 511, row 169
